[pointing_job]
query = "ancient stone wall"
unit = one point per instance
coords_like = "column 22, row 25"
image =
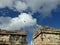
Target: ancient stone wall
column 47, row 36
column 13, row 38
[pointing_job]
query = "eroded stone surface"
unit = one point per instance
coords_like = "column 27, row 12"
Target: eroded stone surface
column 46, row 36
column 16, row 37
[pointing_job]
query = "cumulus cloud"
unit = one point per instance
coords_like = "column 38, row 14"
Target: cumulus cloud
column 19, row 5
column 4, row 21
column 23, row 20
column 43, row 6
column 13, row 4
column 6, row 3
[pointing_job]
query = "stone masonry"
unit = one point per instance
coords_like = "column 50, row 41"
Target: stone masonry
column 17, row 37
column 46, row 36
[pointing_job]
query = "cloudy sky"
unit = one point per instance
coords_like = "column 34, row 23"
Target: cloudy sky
column 27, row 14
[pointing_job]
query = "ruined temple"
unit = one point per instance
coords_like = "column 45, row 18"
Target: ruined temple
column 17, row 37
column 46, row 36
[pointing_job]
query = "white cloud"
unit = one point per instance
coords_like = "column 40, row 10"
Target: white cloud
column 4, row 21
column 43, row 6
column 23, row 20
column 5, row 3
column 19, row 5
column 12, row 4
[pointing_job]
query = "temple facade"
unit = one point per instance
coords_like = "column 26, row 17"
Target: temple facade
column 17, row 37
column 46, row 36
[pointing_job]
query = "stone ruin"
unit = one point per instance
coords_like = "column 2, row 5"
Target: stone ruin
column 13, row 37
column 46, row 36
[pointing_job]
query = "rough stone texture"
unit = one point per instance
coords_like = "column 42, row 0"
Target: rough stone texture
column 17, row 37
column 46, row 36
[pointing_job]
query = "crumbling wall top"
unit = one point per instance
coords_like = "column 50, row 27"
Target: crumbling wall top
column 18, row 32
column 46, row 29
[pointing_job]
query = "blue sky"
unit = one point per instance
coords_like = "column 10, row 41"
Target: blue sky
column 27, row 14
